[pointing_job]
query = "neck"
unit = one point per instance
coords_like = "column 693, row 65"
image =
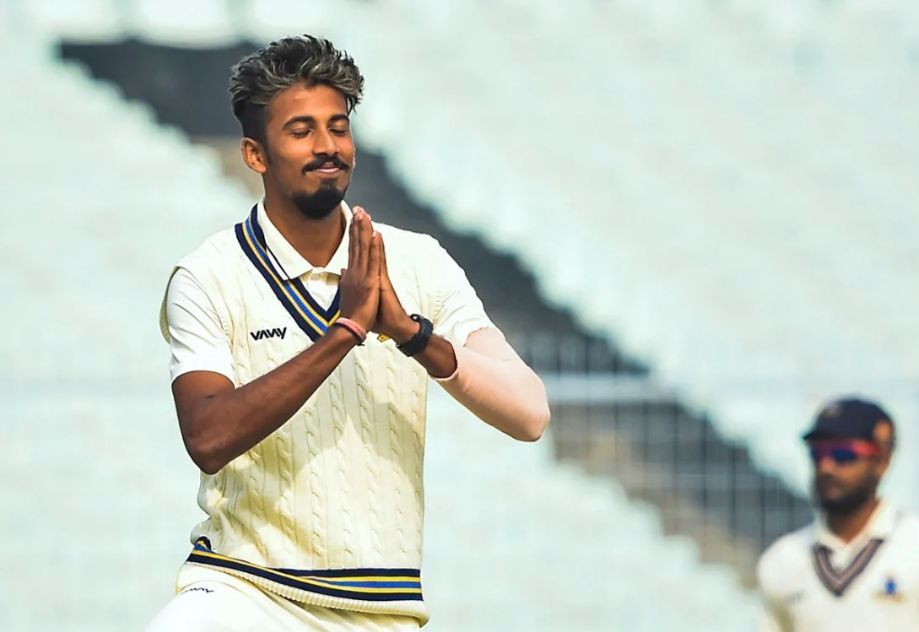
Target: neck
column 847, row 526
column 315, row 239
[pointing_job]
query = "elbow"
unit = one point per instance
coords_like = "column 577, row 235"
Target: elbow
column 539, row 416
column 208, row 466
column 203, row 429
column 528, row 436
column 207, row 462
column 535, row 419
column 534, row 425
column 205, row 455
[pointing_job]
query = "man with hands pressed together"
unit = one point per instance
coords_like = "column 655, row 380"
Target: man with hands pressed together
column 302, row 340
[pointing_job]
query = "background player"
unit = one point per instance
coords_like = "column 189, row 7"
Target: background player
column 857, row 566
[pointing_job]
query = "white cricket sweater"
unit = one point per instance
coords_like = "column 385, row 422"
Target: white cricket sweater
column 328, row 509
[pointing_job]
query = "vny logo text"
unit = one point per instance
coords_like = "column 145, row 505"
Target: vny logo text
column 277, row 332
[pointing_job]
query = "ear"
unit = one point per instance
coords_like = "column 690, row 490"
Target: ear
column 883, row 436
column 254, row 155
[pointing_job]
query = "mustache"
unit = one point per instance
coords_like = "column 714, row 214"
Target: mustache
column 322, row 160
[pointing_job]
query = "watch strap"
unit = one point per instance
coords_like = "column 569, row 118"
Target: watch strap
column 417, row 343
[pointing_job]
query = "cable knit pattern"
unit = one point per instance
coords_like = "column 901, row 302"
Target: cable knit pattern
column 339, row 485
column 339, row 417
column 256, row 507
column 254, row 488
column 419, row 398
column 317, row 508
column 284, row 459
column 369, row 440
column 396, row 430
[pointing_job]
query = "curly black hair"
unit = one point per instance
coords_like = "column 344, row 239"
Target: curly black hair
column 259, row 77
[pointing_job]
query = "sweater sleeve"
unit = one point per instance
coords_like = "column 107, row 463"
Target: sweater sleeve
column 196, row 337
column 457, row 308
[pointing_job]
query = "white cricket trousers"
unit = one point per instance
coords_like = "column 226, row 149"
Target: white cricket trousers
column 210, row 601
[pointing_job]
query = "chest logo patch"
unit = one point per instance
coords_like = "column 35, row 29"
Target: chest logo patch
column 277, row 332
column 890, row 591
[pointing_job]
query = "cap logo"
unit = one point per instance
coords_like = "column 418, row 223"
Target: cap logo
column 833, row 410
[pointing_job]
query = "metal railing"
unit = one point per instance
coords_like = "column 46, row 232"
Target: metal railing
column 615, row 420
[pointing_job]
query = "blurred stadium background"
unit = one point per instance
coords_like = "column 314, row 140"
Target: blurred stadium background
column 696, row 218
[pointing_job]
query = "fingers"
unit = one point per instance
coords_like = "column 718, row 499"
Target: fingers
column 384, row 269
column 352, row 242
column 373, row 266
column 361, row 246
column 366, row 231
column 362, row 229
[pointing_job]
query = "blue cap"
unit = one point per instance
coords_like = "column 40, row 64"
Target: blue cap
column 848, row 418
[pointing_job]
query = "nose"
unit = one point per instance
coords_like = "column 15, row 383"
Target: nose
column 325, row 144
column 825, row 463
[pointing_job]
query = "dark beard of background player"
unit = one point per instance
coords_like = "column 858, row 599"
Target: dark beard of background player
column 847, row 504
column 327, row 198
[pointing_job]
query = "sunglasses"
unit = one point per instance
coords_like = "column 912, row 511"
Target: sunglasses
column 842, row 451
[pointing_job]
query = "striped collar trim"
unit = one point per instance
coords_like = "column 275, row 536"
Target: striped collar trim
column 309, row 315
column 292, row 264
column 361, row 584
column 837, row 582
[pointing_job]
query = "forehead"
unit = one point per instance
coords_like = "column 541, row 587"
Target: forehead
column 319, row 101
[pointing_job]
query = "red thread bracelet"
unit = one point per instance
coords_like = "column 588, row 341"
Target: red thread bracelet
column 356, row 330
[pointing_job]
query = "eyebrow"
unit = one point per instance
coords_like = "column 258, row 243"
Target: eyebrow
column 309, row 120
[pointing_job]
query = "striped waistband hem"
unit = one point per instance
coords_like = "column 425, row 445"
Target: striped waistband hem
column 371, row 590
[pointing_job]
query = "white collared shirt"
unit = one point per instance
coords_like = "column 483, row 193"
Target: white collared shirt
column 870, row 583
column 880, row 525
column 198, row 341
column 320, row 281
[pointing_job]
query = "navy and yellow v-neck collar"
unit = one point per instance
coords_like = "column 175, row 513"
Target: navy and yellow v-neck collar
column 307, row 313
column 290, row 263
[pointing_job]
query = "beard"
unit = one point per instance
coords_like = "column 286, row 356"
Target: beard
column 320, row 204
column 848, row 502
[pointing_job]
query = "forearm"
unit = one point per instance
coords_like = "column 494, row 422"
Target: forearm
column 438, row 357
column 227, row 424
column 498, row 387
